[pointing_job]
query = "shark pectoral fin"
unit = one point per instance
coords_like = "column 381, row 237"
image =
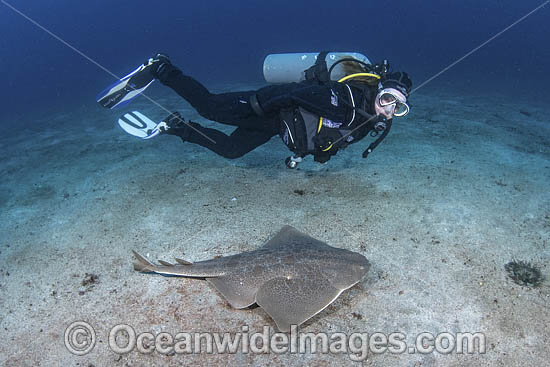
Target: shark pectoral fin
column 239, row 294
column 291, row 301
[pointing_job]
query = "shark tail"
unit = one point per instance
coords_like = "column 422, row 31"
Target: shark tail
column 146, row 266
column 143, row 264
column 181, row 268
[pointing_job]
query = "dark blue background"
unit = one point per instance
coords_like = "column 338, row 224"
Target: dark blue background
column 226, row 41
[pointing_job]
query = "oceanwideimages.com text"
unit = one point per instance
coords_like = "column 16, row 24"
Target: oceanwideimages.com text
column 123, row 339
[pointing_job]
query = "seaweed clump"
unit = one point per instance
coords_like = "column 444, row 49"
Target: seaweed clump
column 524, row 273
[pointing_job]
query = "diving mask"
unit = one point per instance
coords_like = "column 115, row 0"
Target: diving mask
column 388, row 97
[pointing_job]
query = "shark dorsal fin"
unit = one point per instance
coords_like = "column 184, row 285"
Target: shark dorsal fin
column 183, row 262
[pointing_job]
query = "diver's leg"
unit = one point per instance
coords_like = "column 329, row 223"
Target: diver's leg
column 227, row 108
column 241, row 141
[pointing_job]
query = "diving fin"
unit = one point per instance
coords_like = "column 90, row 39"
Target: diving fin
column 137, row 124
column 123, row 91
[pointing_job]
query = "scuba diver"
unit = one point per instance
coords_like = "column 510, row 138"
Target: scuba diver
column 317, row 116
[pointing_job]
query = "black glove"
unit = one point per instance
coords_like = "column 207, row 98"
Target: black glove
column 322, row 142
column 324, row 148
column 322, row 157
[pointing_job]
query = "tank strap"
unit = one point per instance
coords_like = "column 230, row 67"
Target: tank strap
column 319, row 71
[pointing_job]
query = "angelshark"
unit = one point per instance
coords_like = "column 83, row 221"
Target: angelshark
column 292, row 277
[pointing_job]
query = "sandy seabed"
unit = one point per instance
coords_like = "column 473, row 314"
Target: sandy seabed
column 458, row 189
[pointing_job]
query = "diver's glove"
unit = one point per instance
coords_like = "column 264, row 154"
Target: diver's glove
column 322, row 142
column 324, row 148
column 322, row 157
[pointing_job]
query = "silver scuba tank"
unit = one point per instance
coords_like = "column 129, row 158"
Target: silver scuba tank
column 290, row 67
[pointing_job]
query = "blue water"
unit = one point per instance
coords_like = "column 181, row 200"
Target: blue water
column 226, row 41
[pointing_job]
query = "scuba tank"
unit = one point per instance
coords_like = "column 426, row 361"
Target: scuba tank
column 291, row 67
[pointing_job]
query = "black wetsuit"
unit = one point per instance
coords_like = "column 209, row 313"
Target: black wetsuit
column 330, row 100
